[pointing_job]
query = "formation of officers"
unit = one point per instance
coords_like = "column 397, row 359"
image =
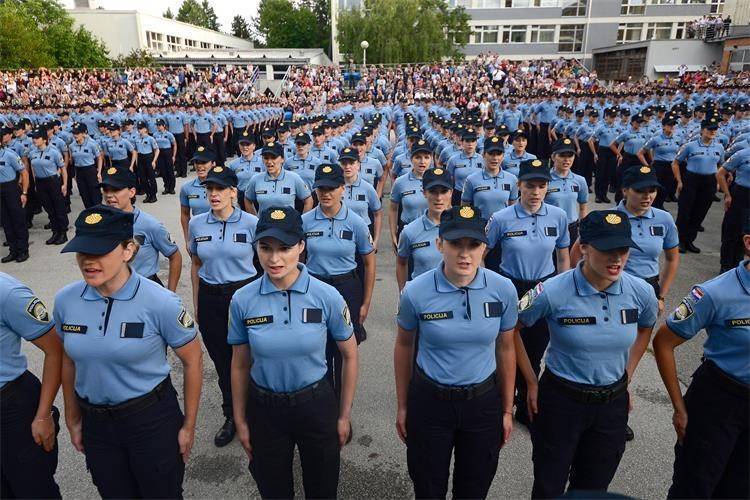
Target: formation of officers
column 501, row 264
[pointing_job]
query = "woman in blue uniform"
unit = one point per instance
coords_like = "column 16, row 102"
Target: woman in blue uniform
column 193, row 198
column 335, row 234
column 15, row 180
column 118, row 187
column 277, row 186
column 600, row 321
column 279, row 330
column 407, row 202
column 148, row 156
column 360, row 195
column 711, row 420
column 28, row 421
column 121, row 408
column 417, row 244
column 87, row 161
column 165, row 161
column 458, row 399
column 221, row 245
column 527, row 233
column 51, row 184
column 513, row 158
column 567, row 190
column 662, row 149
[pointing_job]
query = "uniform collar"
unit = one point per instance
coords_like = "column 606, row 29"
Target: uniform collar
column 127, row 292
column 442, row 284
column 584, row 288
column 648, row 215
column 342, row 214
column 281, row 176
column 553, row 173
column 427, row 223
column 136, row 213
column 521, row 212
column 486, row 175
column 743, row 275
column 234, row 217
column 300, row 285
column 357, row 182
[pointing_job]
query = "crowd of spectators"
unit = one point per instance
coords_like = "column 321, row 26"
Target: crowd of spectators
column 709, row 27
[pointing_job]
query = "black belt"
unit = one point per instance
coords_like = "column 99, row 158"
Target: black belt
column 129, row 407
column 339, row 278
column 146, row 154
column 289, row 399
column 84, row 167
column 224, row 288
column 11, row 388
column 727, row 382
column 653, row 280
column 588, row 394
column 523, row 286
column 455, row 392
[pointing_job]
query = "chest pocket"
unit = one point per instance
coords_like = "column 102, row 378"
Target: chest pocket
column 506, row 187
column 286, row 190
column 131, row 330
column 657, row 230
column 368, row 170
column 346, row 235
column 629, row 316
column 492, row 309
column 312, row 315
column 550, row 231
column 361, row 197
column 576, row 188
column 240, row 238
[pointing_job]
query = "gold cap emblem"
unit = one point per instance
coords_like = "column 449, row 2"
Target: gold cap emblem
column 536, row 163
column 613, row 219
column 278, row 215
column 421, row 143
column 645, row 170
column 466, row 212
column 218, row 170
column 201, row 148
column 327, row 170
column 271, row 144
column 495, row 139
column 111, row 171
column 347, row 150
column 566, row 141
column 438, row 171
column 94, row 218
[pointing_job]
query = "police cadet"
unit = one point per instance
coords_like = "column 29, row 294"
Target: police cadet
column 459, row 396
column 115, row 326
column 51, row 178
column 360, row 196
column 302, row 163
column 491, row 188
column 28, row 423
column 407, row 202
column 369, row 168
column 711, row 421
column 417, row 250
column 148, row 156
column 662, row 149
column 696, row 189
column 118, row 186
column 193, row 197
column 177, row 125
column 202, row 127
column 527, row 233
column 246, row 165
column 121, row 151
column 276, row 186
column 605, row 158
column 512, row 159
column 736, row 202
column 14, row 185
column 221, row 245
column 626, row 147
column 335, row 235
column 463, row 164
column 579, row 408
column 167, row 156
column 87, row 160
column 279, row 329
column 567, row 190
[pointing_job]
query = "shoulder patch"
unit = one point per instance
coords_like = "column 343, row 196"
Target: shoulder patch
column 529, row 297
column 184, row 319
column 683, row 311
column 696, row 294
column 346, row 315
column 37, row 310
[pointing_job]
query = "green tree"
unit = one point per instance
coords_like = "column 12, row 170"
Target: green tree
column 280, row 23
column 137, row 58
column 240, row 27
column 22, row 43
column 199, row 14
column 168, row 14
column 404, row 31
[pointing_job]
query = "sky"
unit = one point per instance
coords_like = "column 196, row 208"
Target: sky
column 225, row 9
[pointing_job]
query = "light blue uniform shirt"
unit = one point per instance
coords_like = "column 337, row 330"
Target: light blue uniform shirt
column 407, row 192
column 654, row 232
column 276, row 192
column 333, row 242
column 324, row 154
column 605, row 134
column 490, row 193
column 567, row 193
column 246, row 170
column 175, row 122
column 701, row 159
column 164, row 140
column 458, row 327
column 370, row 170
column 739, row 165
column 512, row 162
column 662, row 147
column 632, row 140
column 153, row 239
column 418, row 242
column 119, row 149
column 201, row 124
column 461, row 166
column 527, row 240
column 305, row 168
column 10, row 165
column 287, row 330
column 86, row 153
column 362, row 198
column 590, row 332
column 194, row 196
column 146, row 144
column 119, row 343
column 45, row 162
column 225, row 248
column 22, row 316
column 721, row 306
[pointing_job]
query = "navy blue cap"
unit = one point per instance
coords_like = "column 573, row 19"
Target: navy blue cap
column 421, row 146
column 606, row 230
column 413, row 132
column 502, row 130
column 318, row 131
column 359, row 137
column 349, row 154
column 100, row 229
column 302, row 138
column 636, row 118
column 494, row 143
column 273, row 148
column 118, row 178
column 5, row 131
column 268, row 132
column 281, row 223
column 520, row 134
column 533, row 169
column 328, row 175
column 79, row 128
column 141, row 124
column 462, row 222
column 245, row 137
column 669, row 120
column 710, row 124
column 221, row 176
column 39, row 133
column 564, row 146
column 469, row 134
column 203, row 155
column 436, row 177
column 641, row 177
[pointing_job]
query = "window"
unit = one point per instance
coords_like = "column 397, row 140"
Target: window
column 485, row 34
column 717, row 6
column 205, row 45
column 633, row 7
column 658, row 31
column 487, row 4
column 190, row 43
column 629, row 32
column 680, row 30
column 542, row 33
column 571, row 38
column 173, row 43
column 514, row 34
column 574, row 8
column 154, row 40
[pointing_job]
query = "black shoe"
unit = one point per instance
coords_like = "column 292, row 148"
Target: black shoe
column 692, row 248
column 599, row 200
column 48, row 225
column 682, row 248
column 225, row 434
column 629, row 434
column 606, row 199
column 701, row 229
column 22, row 256
column 9, row 258
column 51, row 239
column 165, row 192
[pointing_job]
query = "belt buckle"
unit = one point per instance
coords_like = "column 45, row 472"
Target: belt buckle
column 456, row 393
column 291, row 399
column 600, row 396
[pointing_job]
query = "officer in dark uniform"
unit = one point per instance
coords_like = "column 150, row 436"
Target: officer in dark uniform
column 711, row 421
column 51, row 178
column 148, row 156
column 87, row 160
column 458, row 399
column 279, row 330
column 165, row 161
column 220, row 243
column 115, row 326
column 13, row 175
column 579, row 408
column 28, row 422
column 736, row 203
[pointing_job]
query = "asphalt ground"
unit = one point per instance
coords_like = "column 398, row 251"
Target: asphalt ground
column 374, row 464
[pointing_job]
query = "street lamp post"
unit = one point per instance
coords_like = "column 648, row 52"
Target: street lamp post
column 364, row 46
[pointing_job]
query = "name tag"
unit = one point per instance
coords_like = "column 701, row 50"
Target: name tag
column 313, row 234
column 368, row 170
column 258, row 320
column 550, row 231
column 576, row 188
column 492, row 309
column 436, row 316
column 74, row 328
column 657, row 230
column 421, row 244
column 261, row 192
column 346, row 235
column 482, row 188
column 629, row 316
column 131, row 330
column 199, row 239
column 312, row 315
column 240, row 238
column 582, row 320
column 193, row 197
column 737, row 322
column 286, row 190
column 553, row 190
column 515, row 234
column 407, row 193
column 506, row 187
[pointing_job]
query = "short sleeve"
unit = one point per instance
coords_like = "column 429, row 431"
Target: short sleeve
column 396, row 192
column 533, row 305
column 493, row 232
column 300, row 187
column 339, row 318
column 513, row 189
column 163, row 241
column 650, row 307
column 563, row 238
column 468, row 193
column 363, row 237
column 510, row 303
column 59, row 163
column 671, row 236
column 250, row 192
column 129, row 146
column 184, row 196
column 404, row 245
column 236, row 334
column 682, row 153
column 406, row 317
column 97, row 150
column 373, row 202
column 25, row 314
column 176, row 325
column 192, row 246
column 621, row 138
column 650, row 143
column 695, row 312
column 583, row 190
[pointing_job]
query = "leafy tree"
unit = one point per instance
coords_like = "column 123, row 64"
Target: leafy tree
column 137, row 58
column 404, row 31
column 280, row 23
column 168, row 14
column 22, row 43
column 199, row 14
column 240, row 27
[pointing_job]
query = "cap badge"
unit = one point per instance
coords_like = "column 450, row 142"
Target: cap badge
column 278, row 215
column 201, row 149
column 327, row 170
column 218, row 170
column 536, row 163
column 566, row 141
column 271, row 144
column 92, row 219
column 613, row 219
column 111, row 171
column 245, row 134
column 645, row 170
column 421, row 143
column 438, row 171
column 347, row 150
column 466, row 212
column 495, row 139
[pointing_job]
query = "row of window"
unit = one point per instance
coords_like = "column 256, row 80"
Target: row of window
column 638, row 7
column 160, row 42
column 634, row 32
column 569, row 37
column 575, row 7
